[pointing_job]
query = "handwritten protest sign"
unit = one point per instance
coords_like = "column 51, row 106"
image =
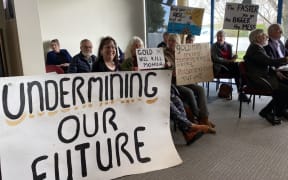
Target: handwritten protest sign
column 183, row 19
column 85, row 126
column 193, row 63
column 150, row 58
column 240, row 16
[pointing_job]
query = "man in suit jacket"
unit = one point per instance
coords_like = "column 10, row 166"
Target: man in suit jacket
column 276, row 49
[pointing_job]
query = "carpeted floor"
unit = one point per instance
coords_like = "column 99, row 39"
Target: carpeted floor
column 243, row 149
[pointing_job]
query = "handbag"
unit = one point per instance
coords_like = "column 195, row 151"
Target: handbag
column 225, row 91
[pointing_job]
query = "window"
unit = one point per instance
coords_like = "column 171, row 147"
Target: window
column 205, row 30
column 157, row 16
column 285, row 19
column 267, row 14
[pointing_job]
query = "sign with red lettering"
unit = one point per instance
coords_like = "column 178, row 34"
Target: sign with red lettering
column 85, row 126
column 240, row 16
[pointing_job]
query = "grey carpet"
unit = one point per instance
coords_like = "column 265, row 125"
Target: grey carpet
column 243, row 149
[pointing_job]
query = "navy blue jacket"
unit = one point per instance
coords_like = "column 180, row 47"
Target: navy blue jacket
column 272, row 51
column 62, row 57
column 81, row 65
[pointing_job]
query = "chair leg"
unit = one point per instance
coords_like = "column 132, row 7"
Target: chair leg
column 253, row 105
column 249, row 99
column 240, row 107
column 217, row 84
column 207, row 89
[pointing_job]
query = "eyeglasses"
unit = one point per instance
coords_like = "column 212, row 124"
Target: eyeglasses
column 279, row 31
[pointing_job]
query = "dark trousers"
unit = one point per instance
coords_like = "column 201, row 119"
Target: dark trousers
column 279, row 101
column 233, row 69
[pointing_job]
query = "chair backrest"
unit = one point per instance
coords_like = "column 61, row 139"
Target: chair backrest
column 54, row 68
column 243, row 80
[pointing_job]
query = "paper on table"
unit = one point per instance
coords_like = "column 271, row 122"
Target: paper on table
column 283, row 68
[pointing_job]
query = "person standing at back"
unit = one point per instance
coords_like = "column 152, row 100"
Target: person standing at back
column 58, row 57
column 82, row 62
column 190, row 39
column 163, row 44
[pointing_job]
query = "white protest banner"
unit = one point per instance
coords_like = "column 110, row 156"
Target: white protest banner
column 185, row 20
column 240, row 16
column 150, row 58
column 85, row 126
column 193, row 63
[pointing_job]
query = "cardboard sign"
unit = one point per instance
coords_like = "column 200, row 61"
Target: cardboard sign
column 85, row 126
column 185, row 20
column 150, row 58
column 240, row 16
column 193, row 63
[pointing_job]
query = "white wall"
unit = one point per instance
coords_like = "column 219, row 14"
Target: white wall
column 73, row 20
column 29, row 36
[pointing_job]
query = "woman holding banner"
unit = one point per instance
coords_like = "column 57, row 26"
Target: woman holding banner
column 191, row 132
column 107, row 59
column 193, row 95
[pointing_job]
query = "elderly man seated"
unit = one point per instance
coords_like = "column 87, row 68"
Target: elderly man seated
column 259, row 64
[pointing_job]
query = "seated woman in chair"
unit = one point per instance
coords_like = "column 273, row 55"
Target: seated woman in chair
column 258, row 64
column 224, row 61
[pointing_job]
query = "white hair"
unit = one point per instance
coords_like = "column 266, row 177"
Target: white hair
column 135, row 39
column 253, row 36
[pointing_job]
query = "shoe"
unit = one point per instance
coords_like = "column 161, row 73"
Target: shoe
column 243, row 98
column 203, row 128
column 285, row 114
column 270, row 117
column 205, row 121
column 192, row 136
column 212, row 124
